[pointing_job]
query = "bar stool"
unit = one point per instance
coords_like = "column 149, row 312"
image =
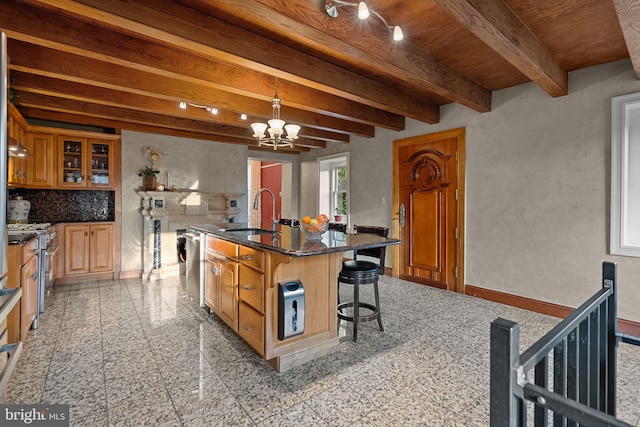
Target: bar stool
column 357, row 273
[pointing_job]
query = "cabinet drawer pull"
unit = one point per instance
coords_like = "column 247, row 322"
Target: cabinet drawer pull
column 34, row 276
column 247, row 328
column 247, row 257
column 248, row 287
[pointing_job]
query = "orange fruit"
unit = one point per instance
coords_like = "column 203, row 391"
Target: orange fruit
column 306, row 219
column 323, row 218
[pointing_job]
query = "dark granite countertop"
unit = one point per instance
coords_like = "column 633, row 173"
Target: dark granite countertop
column 21, row 238
column 292, row 241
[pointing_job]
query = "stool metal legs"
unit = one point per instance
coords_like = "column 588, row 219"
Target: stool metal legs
column 357, row 305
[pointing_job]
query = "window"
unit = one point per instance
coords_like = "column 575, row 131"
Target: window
column 625, row 175
column 334, row 187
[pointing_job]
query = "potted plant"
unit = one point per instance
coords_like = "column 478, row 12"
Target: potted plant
column 149, row 174
column 341, row 211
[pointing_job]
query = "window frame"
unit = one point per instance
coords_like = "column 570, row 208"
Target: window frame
column 625, row 201
column 327, row 191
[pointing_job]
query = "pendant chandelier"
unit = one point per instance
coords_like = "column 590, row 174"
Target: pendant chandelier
column 276, row 128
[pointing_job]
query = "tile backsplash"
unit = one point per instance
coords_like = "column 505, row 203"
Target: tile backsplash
column 68, row 205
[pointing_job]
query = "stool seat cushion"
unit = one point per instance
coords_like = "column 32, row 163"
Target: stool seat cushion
column 355, row 267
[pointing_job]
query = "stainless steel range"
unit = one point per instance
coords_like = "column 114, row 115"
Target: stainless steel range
column 46, row 252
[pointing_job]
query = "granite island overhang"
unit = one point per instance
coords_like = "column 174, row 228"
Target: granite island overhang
column 245, row 269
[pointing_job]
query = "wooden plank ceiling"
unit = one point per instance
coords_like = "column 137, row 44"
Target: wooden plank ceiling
column 126, row 64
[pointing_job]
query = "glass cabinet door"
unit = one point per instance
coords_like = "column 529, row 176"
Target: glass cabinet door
column 100, row 162
column 72, row 156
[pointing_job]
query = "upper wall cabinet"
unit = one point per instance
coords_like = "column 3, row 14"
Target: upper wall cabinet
column 625, row 175
column 85, row 162
column 62, row 158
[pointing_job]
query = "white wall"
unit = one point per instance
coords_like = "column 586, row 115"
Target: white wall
column 537, row 183
column 193, row 164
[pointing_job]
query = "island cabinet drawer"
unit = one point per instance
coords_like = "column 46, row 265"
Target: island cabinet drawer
column 251, row 327
column 222, row 247
column 29, row 250
column 252, row 257
column 251, row 287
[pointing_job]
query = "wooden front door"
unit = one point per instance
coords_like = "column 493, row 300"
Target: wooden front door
column 428, row 190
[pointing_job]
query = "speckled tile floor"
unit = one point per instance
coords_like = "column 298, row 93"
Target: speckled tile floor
column 124, row 353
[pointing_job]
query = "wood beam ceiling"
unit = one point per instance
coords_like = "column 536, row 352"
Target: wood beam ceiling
column 131, row 62
column 629, row 16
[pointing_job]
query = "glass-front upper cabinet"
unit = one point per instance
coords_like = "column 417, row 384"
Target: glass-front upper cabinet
column 86, row 162
column 71, row 152
column 100, row 162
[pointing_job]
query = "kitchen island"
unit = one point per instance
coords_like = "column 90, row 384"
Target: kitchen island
column 245, row 267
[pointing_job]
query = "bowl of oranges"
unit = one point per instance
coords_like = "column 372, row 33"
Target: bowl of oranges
column 314, row 228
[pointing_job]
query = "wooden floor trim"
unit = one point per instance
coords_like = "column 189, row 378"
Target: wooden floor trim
column 624, row 326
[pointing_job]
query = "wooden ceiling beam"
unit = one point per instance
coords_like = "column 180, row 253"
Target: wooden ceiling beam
column 80, row 119
column 628, row 12
column 30, row 24
column 493, row 22
column 43, row 61
column 26, row 82
column 70, row 106
column 214, row 39
column 308, row 23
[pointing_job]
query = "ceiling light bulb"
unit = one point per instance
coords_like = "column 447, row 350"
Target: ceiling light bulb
column 397, row 33
column 183, row 105
column 363, row 10
column 213, row 111
column 243, row 116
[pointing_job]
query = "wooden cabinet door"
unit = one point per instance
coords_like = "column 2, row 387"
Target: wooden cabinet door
column 17, row 171
column 41, row 161
column 16, row 166
column 228, row 307
column 101, row 248
column 212, row 284
column 29, row 304
column 76, row 249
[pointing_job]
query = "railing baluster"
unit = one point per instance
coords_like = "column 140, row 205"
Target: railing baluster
column 583, row 361
column 541, row 378
column 602, row 399
column 560, row 377
column 594, row 359
column 572, row 371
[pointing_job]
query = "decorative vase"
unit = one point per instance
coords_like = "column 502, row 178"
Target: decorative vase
column 150, row 182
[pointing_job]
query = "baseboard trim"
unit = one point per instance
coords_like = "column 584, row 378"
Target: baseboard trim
column 133, row 274
column 624, row 326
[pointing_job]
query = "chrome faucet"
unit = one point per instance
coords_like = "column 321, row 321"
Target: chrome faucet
column 274, row 221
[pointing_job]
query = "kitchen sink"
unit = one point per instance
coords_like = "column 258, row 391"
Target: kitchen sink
column 250, row 231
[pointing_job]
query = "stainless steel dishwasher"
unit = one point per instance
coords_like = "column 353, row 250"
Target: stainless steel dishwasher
column 195, row 266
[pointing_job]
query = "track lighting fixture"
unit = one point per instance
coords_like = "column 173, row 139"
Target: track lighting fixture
column 183, row 105
column 331, row 7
